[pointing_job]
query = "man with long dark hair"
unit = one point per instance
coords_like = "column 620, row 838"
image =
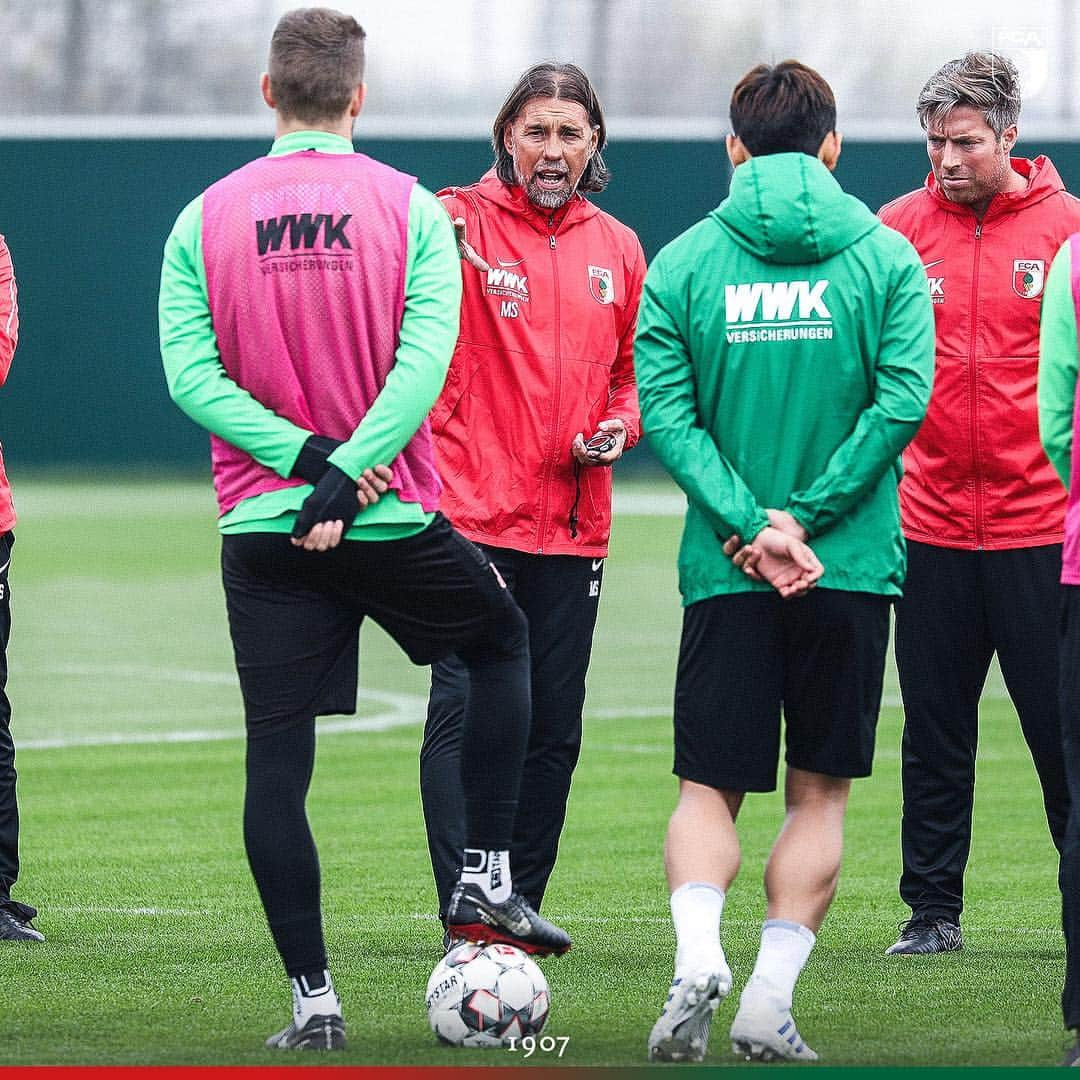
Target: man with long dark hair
column 538, row 404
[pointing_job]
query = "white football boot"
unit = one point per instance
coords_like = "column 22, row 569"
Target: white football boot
column 682, row 1032
column 764, row 1030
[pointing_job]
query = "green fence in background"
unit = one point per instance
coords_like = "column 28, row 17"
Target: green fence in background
column 86, row 220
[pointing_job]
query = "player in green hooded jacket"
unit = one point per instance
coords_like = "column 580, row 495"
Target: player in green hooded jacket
column 784, row 358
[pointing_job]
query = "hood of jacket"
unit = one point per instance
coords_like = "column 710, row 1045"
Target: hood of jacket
column 788, row 208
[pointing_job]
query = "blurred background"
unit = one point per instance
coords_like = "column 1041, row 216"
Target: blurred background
column 115, row 113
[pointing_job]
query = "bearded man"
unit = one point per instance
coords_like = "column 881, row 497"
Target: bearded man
column 539, row 402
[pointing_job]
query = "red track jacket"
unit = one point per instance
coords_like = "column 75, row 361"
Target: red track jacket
column 545, row 351
column 976, row 475
column 9, row 336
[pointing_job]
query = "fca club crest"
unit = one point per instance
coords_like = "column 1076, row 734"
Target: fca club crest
column 601, row 285
column 1028, row 277
column 1028, row 47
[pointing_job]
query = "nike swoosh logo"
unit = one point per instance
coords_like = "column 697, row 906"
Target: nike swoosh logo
column 519, row 926
column 927, row 266
column 596, row 564
column 506, row 264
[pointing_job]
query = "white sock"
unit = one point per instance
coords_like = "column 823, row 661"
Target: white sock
column 317, row 1000
column 490, row 870
column 696, row 908
column 785, row 948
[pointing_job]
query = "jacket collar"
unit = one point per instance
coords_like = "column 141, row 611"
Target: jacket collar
column 1043, row 181
column 512, row 197
column 325, row 142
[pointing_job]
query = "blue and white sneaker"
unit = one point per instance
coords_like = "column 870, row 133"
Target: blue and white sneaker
column 764, row 1030
column 682, row 1032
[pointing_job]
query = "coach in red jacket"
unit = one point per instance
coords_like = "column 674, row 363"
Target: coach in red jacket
column 15, row 918
column 539, row 402
column 982, row 507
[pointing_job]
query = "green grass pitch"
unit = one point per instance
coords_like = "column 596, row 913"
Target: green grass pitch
column 128, row 721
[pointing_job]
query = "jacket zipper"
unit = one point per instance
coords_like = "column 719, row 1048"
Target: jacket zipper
column 972, row 390
column 550, row 469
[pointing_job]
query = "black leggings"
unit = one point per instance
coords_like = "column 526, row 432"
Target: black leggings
column 294, row 618
column 280, row 847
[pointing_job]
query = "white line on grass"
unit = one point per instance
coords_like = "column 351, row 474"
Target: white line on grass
column 100, row 910
column 380, row 722
column 144, row 672
column 427, row 916
column 431, row 917
column 403, row 710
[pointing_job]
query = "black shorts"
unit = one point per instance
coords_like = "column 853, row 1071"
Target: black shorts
column 295, row 615
column 745, row 656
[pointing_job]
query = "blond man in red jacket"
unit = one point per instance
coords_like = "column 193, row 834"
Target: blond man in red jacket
column 982, row 507
column 15, row 924
column 539, row 402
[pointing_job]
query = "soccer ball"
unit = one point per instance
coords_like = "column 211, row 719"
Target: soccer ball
column 486, row 995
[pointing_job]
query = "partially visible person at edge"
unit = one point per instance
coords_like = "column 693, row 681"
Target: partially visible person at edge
column 982, row 507
column 784, row 357
column 313, row 355
column 538, row 405
column 15, row 918
column 1058, row 418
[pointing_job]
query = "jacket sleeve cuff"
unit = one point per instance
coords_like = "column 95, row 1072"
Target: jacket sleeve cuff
column 805, row 517
column 749, row 532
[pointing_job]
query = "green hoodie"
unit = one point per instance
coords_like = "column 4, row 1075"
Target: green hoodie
column 784, row 358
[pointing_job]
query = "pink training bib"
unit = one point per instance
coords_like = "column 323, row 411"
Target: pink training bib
column 305, row 260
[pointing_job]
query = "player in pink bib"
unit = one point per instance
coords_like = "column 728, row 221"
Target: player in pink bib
column 308, row 312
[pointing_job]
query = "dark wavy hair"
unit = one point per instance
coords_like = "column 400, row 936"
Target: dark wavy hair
column 566, row 82
column 781, row 109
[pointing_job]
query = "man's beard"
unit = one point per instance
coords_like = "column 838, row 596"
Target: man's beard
column 545, row 198
column 984, row 189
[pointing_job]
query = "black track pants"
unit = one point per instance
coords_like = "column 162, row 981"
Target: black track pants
column 1069, row 877
column 959, row 608
column 560, row 596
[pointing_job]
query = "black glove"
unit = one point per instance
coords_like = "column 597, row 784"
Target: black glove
column 311, row 461
column 334, row 499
